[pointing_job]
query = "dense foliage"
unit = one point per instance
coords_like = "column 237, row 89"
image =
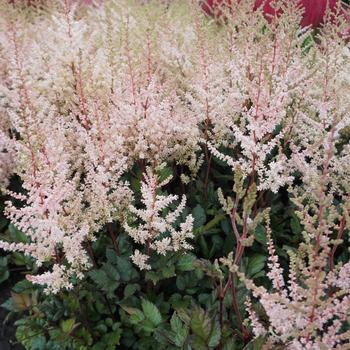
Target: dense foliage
column 174, row 181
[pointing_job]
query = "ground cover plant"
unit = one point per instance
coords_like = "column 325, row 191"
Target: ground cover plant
column 173, row 178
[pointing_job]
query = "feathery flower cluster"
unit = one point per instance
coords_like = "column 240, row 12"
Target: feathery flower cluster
column 310, row 311
column 271, row 75
column 158, row 232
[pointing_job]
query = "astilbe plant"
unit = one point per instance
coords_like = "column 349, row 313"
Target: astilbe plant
column 310, row 311
column 97, row 102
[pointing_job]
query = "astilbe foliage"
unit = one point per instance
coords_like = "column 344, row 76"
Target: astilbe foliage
column 97, row 102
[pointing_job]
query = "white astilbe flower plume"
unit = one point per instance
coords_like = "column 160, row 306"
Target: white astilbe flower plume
column 157, row 232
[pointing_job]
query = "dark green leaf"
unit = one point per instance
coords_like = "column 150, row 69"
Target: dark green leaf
column 151, row 312
column 185, row 263
column 199, row 216
column 130, row 289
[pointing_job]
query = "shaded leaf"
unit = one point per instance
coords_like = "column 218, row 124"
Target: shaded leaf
column 199, row 216
column 151, row 312
column 185, row 263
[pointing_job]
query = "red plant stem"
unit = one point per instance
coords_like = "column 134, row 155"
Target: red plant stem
column 131, row 71
column 238, row 255
column 322, row 195
column 256, row 116
column 243, row 328
column 221, row 305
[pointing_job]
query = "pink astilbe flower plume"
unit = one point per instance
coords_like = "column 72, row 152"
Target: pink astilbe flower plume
column 156, row 232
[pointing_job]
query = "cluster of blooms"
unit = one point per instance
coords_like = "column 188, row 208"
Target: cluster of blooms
column 79, row 106
column 311, row 310
column 272, row 108
column 87, row 92
column 158, row 233
column 70, row 175
column 247, row 96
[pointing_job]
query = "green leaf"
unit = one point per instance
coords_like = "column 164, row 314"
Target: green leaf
column 111, row 256
column 23, row 286
column 213, row 222
column 136, row 315
column 106, row 278
column 151, row 312
column 217, row 244
column 198, row 343
column 152, row 276
column 185, row 263
column 168, row 271
column 260, row 234
column 204, row 246
column 113, row 338
column 226, row 226
column 111, row 272
column 101, row 328
column 200, row 323
column 21, row 301
column 199, row 216
column 164, row 338
column 84, row 335
column 181, row 282
column 295, row 225
column 256, row 263
column 17, row 235
column 30, row 337
column 183, row 315
column 178, row 302
column 8, row 305
column 68, row 325
column 230, row 344
column 215, row 335
column 206, row 330
column 4, row 272
column 130, row 289
column 164, row 173
column 175, row 323
column 124, row 267
column 20, row 259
